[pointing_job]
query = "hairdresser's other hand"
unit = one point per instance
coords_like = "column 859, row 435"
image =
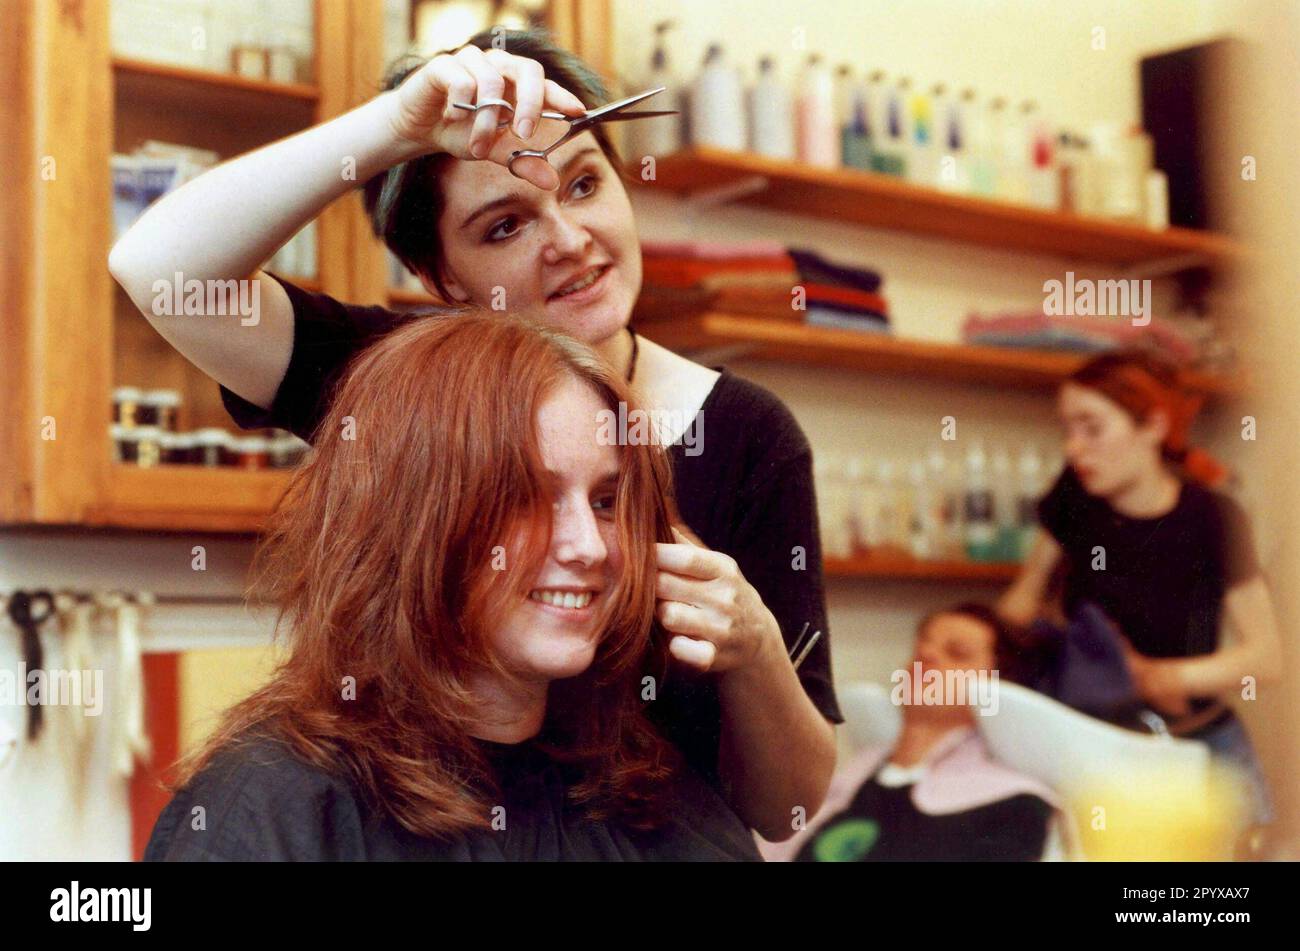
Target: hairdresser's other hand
column 721, row 622
column 424, row 117
column 1157, row 682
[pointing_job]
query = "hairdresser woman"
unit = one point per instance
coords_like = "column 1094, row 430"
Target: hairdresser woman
column 1178, row 560
column 442, row 199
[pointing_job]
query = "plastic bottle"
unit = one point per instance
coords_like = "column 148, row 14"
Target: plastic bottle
column 818, row 142
column 923, row 524
column 1004, row 505
column 1123, row 158
column 1029, row 489
column 950, row 172
column 877, row 109
column 857, row 144
column 946, row 478
column 861, row 505
column 664, row 135
column 1013, row 161
column 837, row 524
column 922, row 165
column 842, row 96
column 1156, row 195
column 996, row 121
column 1044, row 182
column 892, row 153
column 982, row 176
column 1067, row 173
column 981, row 528
column 892, row 517
column 718, row 104
column 771, row 110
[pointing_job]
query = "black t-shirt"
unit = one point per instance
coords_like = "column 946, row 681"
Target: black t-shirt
column 1164, row 578
column 748, row 493
column 883, row 825
column 261, row 802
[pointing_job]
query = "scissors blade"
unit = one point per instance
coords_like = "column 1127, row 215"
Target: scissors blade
column 603, row 113
column 620, row 116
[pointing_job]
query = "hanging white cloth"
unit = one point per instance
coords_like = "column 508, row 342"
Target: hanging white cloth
column 129, row 738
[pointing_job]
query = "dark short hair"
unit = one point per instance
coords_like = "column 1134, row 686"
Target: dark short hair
column 1010, row 642
column 406, row 202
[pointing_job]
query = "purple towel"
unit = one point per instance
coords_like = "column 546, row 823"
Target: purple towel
column 815, row 269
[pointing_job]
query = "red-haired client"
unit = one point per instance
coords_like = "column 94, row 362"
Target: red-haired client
column 465, row 574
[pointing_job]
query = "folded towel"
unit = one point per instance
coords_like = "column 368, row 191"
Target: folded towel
column 827, row 317
column 682, row 272
column 815, row 268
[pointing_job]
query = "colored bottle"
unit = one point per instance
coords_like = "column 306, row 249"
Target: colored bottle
column 1029, row 488
column 1044, row 181
column 857, row 145
column 980, row 526
column 891, row 156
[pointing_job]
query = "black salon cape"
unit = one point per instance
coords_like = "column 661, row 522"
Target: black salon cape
column 749, row 494
column 260, row 802
column 882, row 824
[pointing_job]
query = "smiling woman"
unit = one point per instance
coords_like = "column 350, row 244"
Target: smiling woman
column 555, row 242
column 468, row 580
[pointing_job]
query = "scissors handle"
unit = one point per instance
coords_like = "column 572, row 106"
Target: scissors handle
column 501, row 102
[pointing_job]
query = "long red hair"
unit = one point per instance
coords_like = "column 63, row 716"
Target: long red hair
column 381, row 558
column 1141, row 382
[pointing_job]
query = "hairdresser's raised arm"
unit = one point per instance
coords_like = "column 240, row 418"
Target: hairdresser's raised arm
column 224, row 224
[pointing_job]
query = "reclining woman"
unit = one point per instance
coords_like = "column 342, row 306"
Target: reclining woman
column 468, row 579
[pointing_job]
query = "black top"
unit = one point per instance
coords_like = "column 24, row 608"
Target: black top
column 261, row 802
column 1164, row 578
column 883, row 825
column 748, row 493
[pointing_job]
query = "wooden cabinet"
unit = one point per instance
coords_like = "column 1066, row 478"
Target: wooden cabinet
column 68, row 334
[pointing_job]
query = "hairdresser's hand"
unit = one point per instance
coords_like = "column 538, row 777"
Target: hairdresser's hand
column 721, row 622
column 1157, row 682
column 424, row 117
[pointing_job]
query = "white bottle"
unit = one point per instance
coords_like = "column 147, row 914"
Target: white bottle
column 1157, row 200
column 661, row 136
column 771, row 111
column 818, row 140
column 1013, row 160
column 718, row 104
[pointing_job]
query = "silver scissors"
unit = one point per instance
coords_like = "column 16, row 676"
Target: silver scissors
column 611, row 112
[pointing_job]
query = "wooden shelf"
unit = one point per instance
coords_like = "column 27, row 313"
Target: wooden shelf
column 902, row 566
column 190, row 497
column 884, row 201
column 206, row 108
column 789, row 341
column 227, row 92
